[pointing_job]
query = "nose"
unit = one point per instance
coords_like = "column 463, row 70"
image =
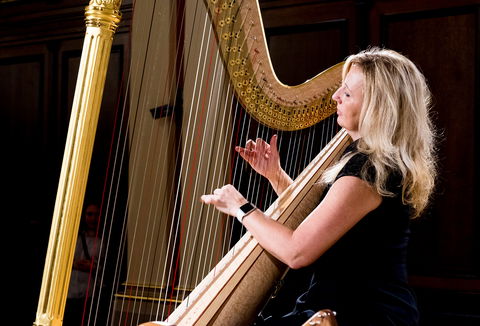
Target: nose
column 336, row 96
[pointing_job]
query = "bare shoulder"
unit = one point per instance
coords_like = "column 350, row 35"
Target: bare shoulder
column 346, row 203
column 352, row 195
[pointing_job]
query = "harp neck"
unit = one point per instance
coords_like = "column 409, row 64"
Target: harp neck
column 242, row 42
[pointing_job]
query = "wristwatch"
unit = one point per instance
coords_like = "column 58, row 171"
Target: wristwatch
column 244, row 210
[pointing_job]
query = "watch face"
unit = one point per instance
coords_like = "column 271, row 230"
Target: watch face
column 247, row 208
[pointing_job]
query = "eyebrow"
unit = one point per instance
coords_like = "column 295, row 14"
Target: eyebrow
column 347, row 87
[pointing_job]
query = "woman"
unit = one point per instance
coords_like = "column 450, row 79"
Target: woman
column 86, row 254
column 355, row 240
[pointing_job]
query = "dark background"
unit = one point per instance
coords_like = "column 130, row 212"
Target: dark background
column 40, row 48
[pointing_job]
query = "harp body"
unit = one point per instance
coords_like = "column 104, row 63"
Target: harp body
column 224, row 296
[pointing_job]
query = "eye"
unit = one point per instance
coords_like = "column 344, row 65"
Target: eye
column 347, row 94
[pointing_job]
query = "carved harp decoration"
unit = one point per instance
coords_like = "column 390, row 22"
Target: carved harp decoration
column 240, row 32
column 224, row 297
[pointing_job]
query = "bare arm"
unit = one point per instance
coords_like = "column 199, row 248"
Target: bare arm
column 280, row 181
column 347, row 202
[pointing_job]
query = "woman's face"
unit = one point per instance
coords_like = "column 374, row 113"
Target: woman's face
column 349, row 98
column 92, row 214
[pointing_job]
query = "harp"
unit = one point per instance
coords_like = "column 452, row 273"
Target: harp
column 239, row 37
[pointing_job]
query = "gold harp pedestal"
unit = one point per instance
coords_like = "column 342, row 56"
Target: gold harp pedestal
column 102, row 18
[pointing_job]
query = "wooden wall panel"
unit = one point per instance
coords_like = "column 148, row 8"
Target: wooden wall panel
column 444, row 42
column 443, row 39
column 22, row 88
column 23, row 121
column 25, row 104
column 294, row 62
column 306, row 38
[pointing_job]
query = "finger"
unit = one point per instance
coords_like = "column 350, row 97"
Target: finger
column 246, row 154
column 261, row 145
column 240, row 149
column 208, row 199
column 273, row 144
column 250, row 145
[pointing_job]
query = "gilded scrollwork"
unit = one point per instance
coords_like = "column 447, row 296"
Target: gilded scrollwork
column 103, row 14
column 108, row 4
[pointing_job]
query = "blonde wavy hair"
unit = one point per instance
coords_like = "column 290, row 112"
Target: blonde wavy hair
column 395, row 126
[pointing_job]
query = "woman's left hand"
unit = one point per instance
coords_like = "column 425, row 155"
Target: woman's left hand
column 226, row 199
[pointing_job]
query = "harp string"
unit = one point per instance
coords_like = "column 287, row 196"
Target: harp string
column 188, row 228
column 133, row 126
column 166, row 271
column 216, row 214
column 123, row 228
column 106, row 209
column 185, row 235
column 207, row 214
column 176, row 198
column 147, row 242
column 226, row 116
column 186, row 273
column 181, row 228
column 96, row 275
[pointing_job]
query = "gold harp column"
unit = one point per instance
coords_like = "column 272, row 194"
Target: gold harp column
column 102, row 18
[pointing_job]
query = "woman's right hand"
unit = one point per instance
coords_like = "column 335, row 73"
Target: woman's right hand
column 261, row 156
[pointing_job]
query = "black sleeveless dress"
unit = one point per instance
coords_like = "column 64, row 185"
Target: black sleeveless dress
column 362, row 277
